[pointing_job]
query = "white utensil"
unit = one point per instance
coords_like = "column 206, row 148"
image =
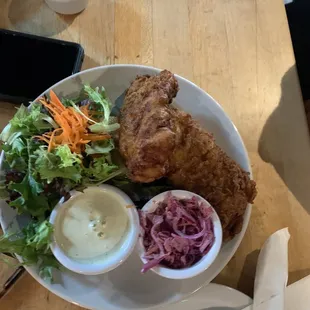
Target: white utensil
column 272, row 272
column 219, row 297
column 213, row 297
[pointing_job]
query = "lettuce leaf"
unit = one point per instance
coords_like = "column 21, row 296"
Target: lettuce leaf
column 67, row 158
column 99, row 103
column 26, row 122
column 100, row 147
column 73, row 173
column 32, row 244
column 29, row 198
column 38, row 235
column 104, row 127
column 100, row 170
column 47, row 264
column 16, row 154
column 30, row 201
column 60, row 163
column 99, row 97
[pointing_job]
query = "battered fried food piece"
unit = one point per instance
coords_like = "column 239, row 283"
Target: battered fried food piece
column 157, row 140
column 149, row 132
column 201, row 166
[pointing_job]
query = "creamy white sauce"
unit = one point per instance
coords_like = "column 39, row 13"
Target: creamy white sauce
column 91, row 225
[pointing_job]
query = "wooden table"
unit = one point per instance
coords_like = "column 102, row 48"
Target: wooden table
column 240, row 52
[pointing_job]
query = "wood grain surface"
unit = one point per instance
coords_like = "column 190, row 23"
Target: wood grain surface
column 240, row 52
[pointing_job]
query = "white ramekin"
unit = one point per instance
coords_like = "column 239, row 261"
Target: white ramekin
column 113, row 260
column 205, row 262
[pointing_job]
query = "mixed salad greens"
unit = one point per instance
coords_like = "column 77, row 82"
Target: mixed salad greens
column 50, row 148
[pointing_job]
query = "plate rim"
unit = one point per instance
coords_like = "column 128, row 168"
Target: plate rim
column 31, row 269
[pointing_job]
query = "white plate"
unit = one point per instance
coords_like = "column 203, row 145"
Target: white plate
column 125, row 287
column 213, row 297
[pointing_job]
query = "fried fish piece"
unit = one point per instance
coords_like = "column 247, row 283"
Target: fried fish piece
column 201, row 166
column 158, row 140
column 149, row 132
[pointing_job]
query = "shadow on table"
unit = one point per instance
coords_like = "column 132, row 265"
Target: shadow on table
column 279, row 143
column 247, row 277
column 34, row 16
column 89, row 63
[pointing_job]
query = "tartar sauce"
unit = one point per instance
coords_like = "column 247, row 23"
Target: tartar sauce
column 91, row 225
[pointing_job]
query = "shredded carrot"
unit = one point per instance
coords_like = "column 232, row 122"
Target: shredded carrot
column 56, row 101
column 49, row 106
column 42, row 138
column 73, row 126
column 51, row 143
column 85, row 141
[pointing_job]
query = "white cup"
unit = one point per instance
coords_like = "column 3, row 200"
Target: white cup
column 67, row 6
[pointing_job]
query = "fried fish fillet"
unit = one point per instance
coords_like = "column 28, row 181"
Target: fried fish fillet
column 157, row 140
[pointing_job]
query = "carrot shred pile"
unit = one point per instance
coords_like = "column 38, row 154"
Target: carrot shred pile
column 73, row 126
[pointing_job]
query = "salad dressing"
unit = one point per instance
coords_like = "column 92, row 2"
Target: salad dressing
column 91, row 225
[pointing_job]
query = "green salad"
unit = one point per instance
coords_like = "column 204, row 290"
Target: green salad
column 51, row 148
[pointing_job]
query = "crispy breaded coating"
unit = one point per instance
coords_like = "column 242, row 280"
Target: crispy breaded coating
column 148, row 132
column 157, row 140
